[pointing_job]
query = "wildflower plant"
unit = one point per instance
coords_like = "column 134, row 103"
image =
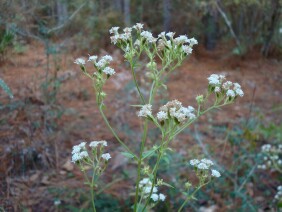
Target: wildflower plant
column 272, row 157
column 92, row 157
column 164, row 53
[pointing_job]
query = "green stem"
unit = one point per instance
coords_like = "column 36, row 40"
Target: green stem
column 144, row 138
column 135, row 81
column 191, row 196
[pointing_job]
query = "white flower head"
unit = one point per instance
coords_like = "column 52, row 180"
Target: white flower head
column 79, row 61
column 138, row 26
column 170, row 34
column 145, row 181
column 215, row 173
column 106, row 156
column 101, row 63
column 187, row 49
column 193, row 41
column 109, row 71
column 181, row 39
column 162, row 197
column 146, row 110
column 230, row 93
column 76, row 157
column 227, row 85
column 214, row 80
column 107, row 58
column 207, row 161
column 114, row 30
column 92, row 58
column 217, row 89
column 161, row 116
column 194, row 162
column 202, row 166
column 148, row 36
column 147, row 189
column 155, row 197
column 239, row 92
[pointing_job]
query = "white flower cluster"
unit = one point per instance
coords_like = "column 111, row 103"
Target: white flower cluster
column 167, row 40
column 79, row 152
column 126, row 35
column 145, row 186
column 205, row 164
column 174, row 109
column 278, row 196
column 101, row 65
column 94, row 144
column 217, row 85
column 272, row 156
column 146, row 110
column 79, row 61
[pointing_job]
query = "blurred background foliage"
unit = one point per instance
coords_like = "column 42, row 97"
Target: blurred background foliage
column 249, row 24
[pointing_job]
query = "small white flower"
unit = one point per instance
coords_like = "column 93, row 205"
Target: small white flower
column 217, row 89
column 187, row 49
column 76, row 149
column 138, row 26
column 155, row 197
column 193, row 41
column 127, row 30
column 266, row 148
column 109, row 71
column 106, row 156
column 213, row 79
column 57, row 202
column 161, row 116
column 80, row 61
column 162, row 197
column 202, row 166
column 215, row 173
column 148, row 36
column 236, row 85
column 94, row 144
column 92, row 58
column 101, row 63
column 114, row 30
column 239, row 92
column 230, row 93
column 279, row 162
column 207, row 161
column 279, row 188
column 107, row 58
column 145, row 111
column 76, row 157
column 170, row 34
column 145, row 181
column 84, row 154
column 82, row 145
column 194, row 162
column 227, row 85
column 181, row 39
column 147, row 190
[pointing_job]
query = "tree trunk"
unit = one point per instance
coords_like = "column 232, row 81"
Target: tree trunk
column 126, row 12
column 211, row 28
column 274, row 21
column 62, row 12
column 166, row 15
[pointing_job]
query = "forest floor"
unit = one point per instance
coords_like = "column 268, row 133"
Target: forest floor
column 38, row 130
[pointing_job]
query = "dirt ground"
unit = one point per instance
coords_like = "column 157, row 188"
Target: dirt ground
column 36, row 137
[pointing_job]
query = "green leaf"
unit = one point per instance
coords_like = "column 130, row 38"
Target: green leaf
column 6, row 89
column 127, row 155
column 168, row 185
column 148, row 153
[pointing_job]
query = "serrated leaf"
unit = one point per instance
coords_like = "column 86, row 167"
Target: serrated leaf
column 6, row 89
column 127, row 155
